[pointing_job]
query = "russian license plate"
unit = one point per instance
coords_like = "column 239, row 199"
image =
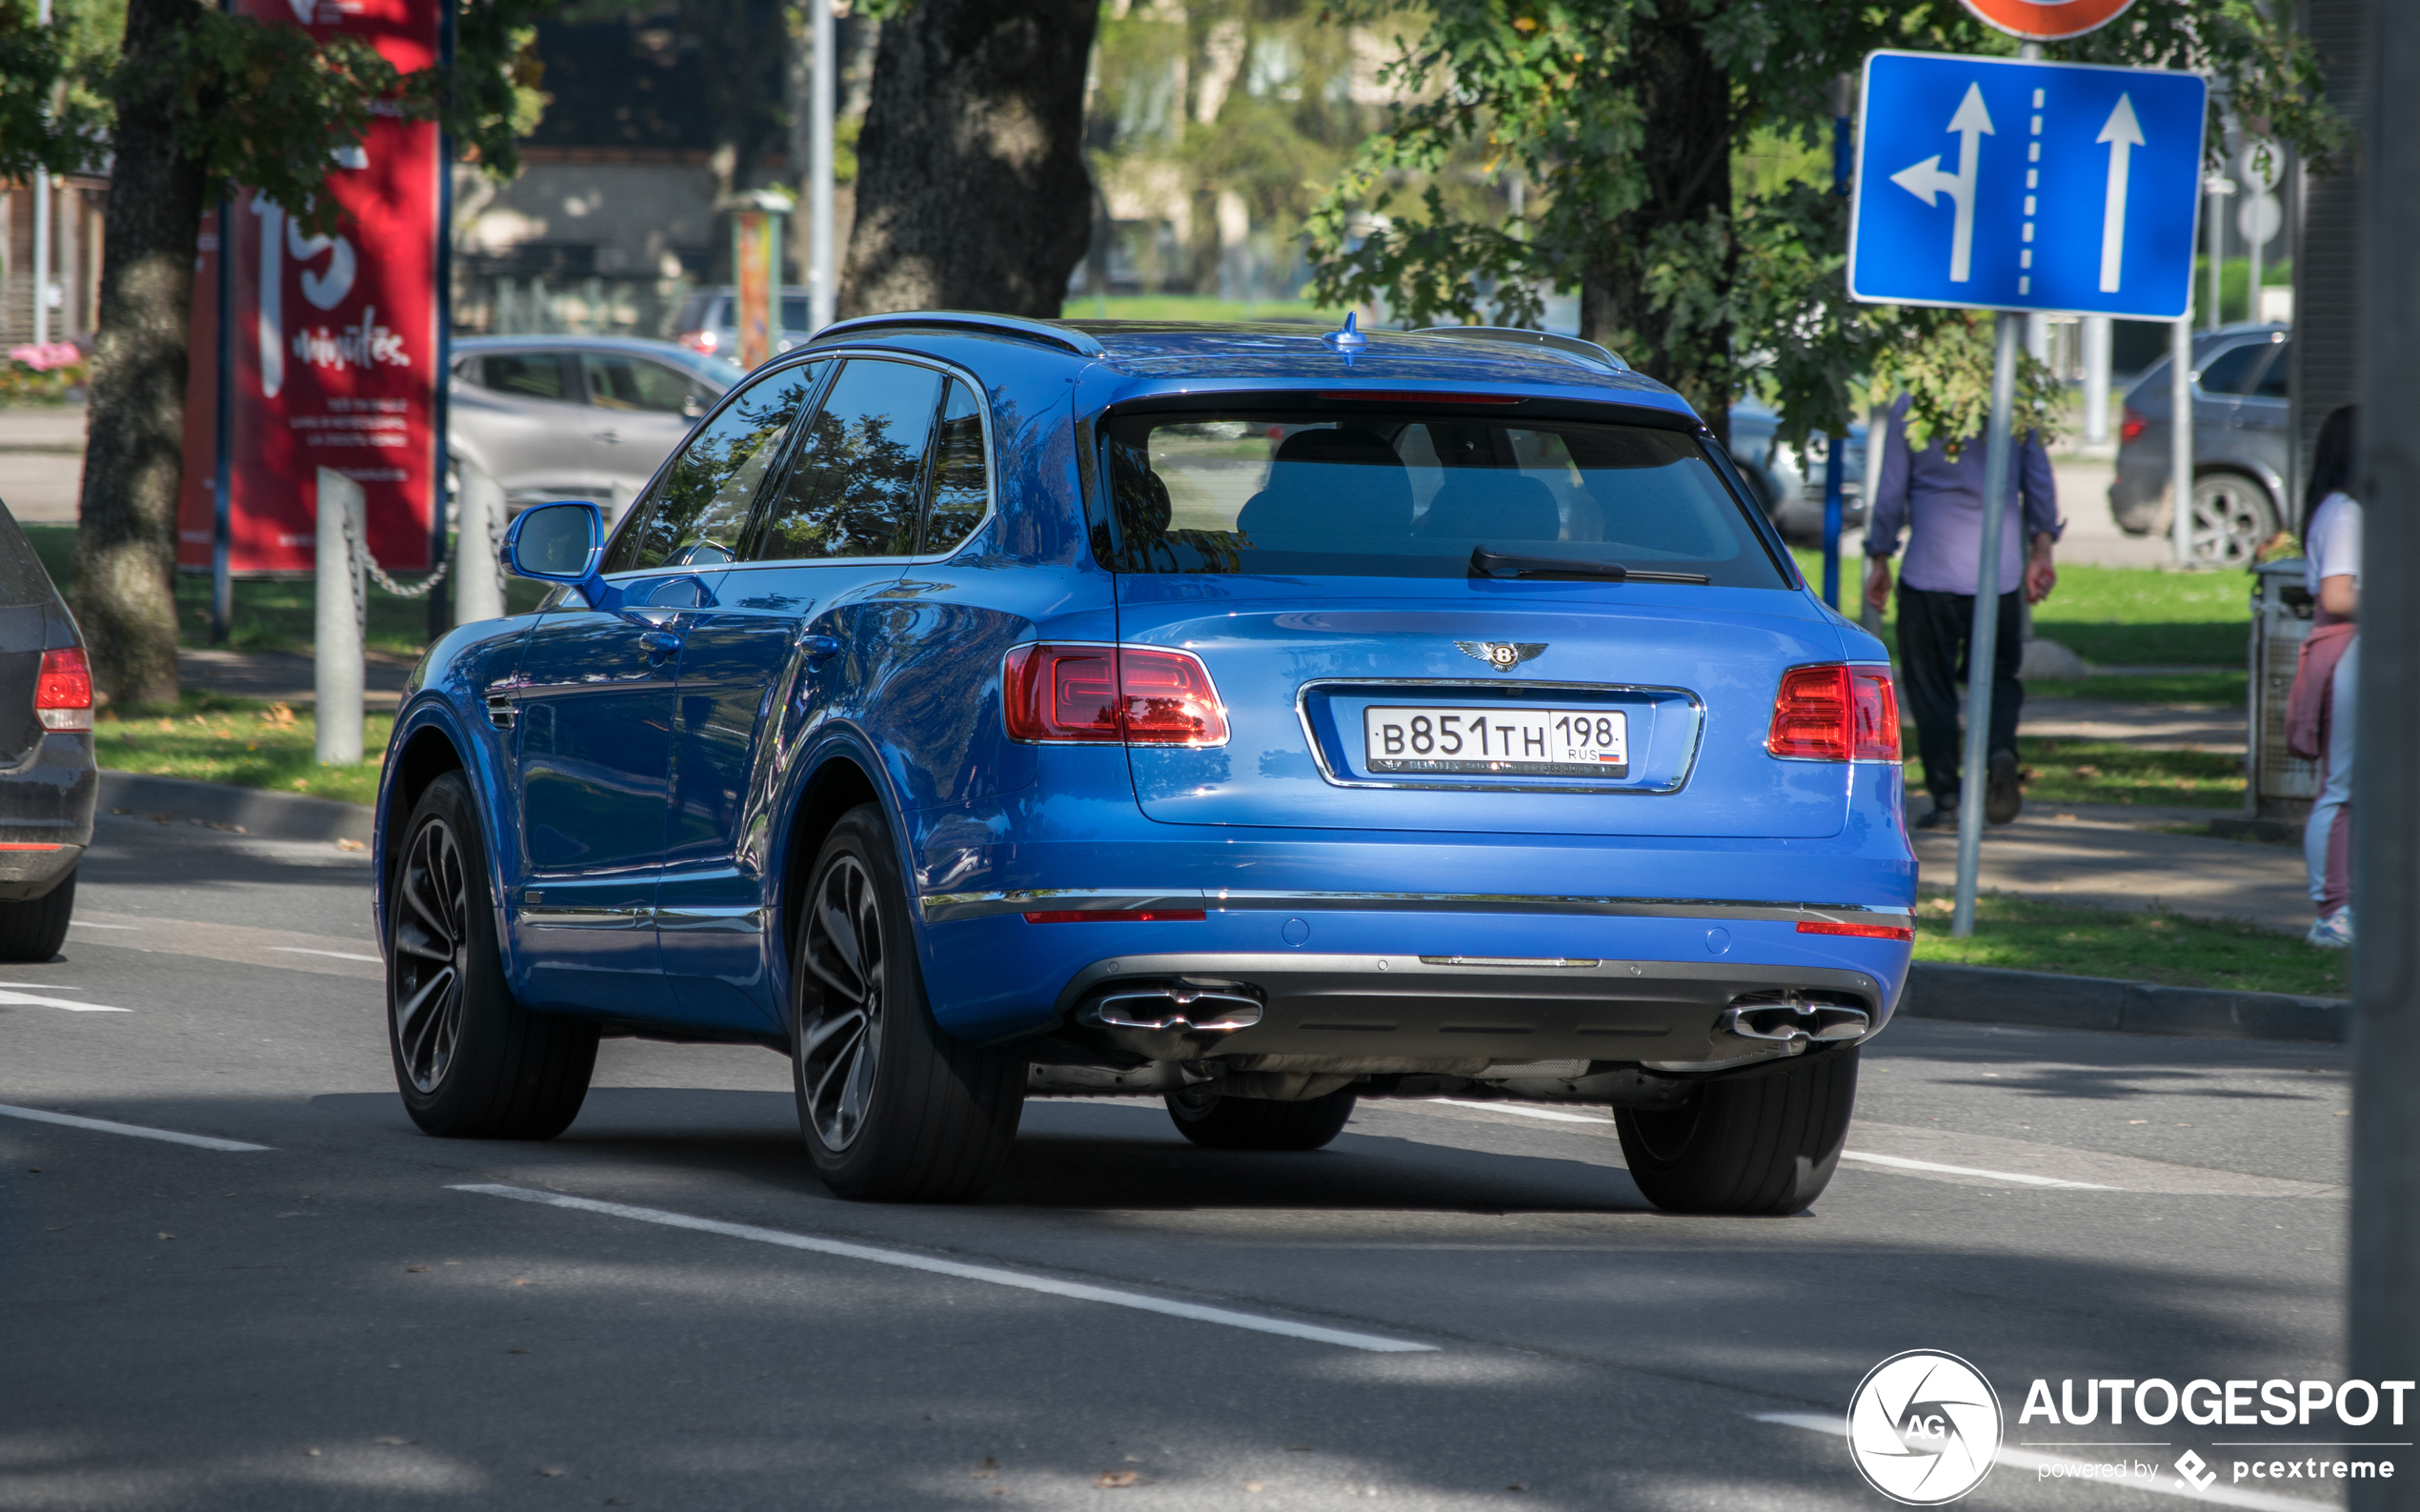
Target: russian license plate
column 1555, row 742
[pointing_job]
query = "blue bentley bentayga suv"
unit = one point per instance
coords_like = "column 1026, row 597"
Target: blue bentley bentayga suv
column 974, row 708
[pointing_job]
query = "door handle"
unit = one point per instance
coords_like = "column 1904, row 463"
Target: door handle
column 610, row 437
column 660, row 643
column 820, row 647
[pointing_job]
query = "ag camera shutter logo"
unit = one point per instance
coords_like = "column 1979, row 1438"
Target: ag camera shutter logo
column 1924, row 1428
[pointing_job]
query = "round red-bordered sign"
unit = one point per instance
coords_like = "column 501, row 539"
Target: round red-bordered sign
column 2048, row 20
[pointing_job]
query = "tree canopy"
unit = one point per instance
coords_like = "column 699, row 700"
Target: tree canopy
column 1625, row 116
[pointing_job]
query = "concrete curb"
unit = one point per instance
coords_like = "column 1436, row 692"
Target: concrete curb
column 2047, row 1000
column 271, row 815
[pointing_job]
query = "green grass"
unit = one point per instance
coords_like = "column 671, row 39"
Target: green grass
column 2117, row 617
column 2226, row 689
column 2106, row 772
column 2146, row 946
column 277, row 613
column 1195, row 307
column 252, row 745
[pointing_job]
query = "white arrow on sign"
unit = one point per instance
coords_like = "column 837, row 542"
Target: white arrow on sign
column 2124, row 133
column 1926, row 180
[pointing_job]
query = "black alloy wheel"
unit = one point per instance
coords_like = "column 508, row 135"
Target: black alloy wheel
column 893, row 1108
column 841, row 1043
column 470, row 1061
column 425, row 970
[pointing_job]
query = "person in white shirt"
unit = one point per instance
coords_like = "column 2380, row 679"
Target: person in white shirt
column 2332, row 570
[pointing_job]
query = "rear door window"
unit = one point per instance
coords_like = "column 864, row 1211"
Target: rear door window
column 527, row 376
column 2236, row 370
column 618, row 382
column 2276, row 382
column 692, row 514
column 1394, row 496
column 857, row 484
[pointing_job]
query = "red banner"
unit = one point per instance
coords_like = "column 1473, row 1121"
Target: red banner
column 336, row 335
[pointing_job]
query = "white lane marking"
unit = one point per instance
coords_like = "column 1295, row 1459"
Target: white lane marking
column 30, row 1000
column 1905, row 1164
column 2026, row 1459
column 1525, row 1112
column 88, row 924
column 340, row 954
column 199, row 1142
column 995, row 1276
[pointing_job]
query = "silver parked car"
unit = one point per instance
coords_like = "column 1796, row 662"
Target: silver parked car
column 1788, row 480
column 581, row 417
column 2241, row 448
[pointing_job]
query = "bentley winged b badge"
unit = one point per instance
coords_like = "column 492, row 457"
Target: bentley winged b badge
column 1503, row 655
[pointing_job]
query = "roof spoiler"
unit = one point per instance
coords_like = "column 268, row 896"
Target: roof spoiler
column 1587, row 352
column 1042, row 331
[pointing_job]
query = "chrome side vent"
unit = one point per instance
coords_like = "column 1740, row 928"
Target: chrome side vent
column 500, row 711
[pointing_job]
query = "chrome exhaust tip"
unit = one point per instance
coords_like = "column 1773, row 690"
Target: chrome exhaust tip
column 1795, row 1021
column 1175, row 1007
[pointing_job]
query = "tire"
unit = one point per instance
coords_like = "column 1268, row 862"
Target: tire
column 471, row 1062
column 1255, row 1123
column 2232, row 518
column 891, row 1109
column 34, row 930
column 1763, row 1144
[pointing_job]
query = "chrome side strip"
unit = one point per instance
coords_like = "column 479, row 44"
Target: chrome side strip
column 742, row 918
column 949, row 907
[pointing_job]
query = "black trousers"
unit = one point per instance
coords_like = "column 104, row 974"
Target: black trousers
column 1934, row 629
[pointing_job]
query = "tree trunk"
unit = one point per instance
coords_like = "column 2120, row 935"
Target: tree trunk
column 972, row 191
column 134, row 440
column 1685, row 99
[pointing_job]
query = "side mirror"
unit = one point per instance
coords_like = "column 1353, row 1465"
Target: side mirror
column 556, row 543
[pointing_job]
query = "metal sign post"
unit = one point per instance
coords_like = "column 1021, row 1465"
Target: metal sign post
column 2075, row 187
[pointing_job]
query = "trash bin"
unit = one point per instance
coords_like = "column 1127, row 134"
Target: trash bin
column 2279, row 786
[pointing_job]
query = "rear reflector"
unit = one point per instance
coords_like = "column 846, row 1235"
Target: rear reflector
column 1859, row 931
column 1120, row 916
column 1835, row 713
column 63, row 693
column 1105, row 695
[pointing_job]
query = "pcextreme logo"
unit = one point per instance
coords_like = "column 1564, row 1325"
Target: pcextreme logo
column 1924, row 1428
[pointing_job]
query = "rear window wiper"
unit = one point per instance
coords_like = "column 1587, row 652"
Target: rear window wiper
column 1485, row 563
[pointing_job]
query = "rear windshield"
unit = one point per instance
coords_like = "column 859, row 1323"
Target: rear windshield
column 1391, row 497
column 22, row 579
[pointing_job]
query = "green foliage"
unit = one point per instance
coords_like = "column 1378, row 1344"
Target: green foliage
column 1563, row 93
column 258, row 104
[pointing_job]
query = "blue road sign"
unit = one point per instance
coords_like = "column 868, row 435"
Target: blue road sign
column 2026, row 186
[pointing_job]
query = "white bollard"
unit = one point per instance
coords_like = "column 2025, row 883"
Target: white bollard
column 337, row 643
column 478, row 522
column 2097, row 331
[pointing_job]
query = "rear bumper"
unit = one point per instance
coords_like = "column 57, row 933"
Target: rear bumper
column 1459, row 1016
column 1403, row 983
column 45, row 815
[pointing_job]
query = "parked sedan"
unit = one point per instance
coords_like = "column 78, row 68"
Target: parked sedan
column 2242, row 447
column 1260, row 720
column 1788, row 480
column 586, row 417
column 47, row 781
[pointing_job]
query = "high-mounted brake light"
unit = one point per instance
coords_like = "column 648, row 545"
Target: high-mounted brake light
column 1835, row 713
column 1107, row 694
column 63, row 692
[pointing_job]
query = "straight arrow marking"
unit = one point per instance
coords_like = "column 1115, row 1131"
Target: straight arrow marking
column 2124, row 133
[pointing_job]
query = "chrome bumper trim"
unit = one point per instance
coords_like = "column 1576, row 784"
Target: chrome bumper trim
column 940, row 908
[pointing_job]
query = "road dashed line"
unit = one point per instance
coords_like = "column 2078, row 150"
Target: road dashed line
column 136, row 1131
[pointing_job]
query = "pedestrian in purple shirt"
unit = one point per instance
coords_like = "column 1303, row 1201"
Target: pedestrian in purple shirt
column 1938, row 498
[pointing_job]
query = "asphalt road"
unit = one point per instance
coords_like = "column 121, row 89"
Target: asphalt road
column 1452, row 1306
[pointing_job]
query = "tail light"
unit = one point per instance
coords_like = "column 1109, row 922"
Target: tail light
column 1835, row 713
column 2130, row 424
column 1108, row 694
column 63, row 693
column 699, row 341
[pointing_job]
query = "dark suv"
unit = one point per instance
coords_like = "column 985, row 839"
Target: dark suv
column 47, row 785
column 2240, row 445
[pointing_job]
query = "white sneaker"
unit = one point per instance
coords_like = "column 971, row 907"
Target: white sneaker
column 2333, row 932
